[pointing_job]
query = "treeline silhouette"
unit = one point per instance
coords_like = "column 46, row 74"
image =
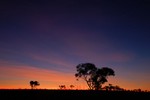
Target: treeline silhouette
column 94, row 77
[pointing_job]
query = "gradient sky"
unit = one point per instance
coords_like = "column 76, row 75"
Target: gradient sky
column 44, row 40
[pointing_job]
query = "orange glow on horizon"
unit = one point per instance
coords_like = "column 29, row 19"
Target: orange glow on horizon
column 14, row 77
column 19, row 77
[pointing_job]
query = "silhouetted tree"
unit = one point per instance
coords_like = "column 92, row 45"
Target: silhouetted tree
column 33, row 84
column 71, row 86
column 137, row 90
column 111, row 87
column 93, row 76
column 62, row 87
column 118, row 88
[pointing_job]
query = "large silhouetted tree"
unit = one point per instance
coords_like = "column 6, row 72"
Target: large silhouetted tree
column 93, row 76
column 33, row 84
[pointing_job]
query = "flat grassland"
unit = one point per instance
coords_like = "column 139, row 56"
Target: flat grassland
column 43, row 94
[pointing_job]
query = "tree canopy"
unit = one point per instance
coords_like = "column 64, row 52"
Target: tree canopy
column 33, row 84
column 93, row 76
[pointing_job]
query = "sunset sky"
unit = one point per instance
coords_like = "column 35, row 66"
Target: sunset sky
column 45, row 40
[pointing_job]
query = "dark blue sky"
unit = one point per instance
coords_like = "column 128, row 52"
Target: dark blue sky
column 57, row 35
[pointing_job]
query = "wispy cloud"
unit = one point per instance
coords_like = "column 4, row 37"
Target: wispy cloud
column 88, row 46
column 27, row 73
column 55, row 61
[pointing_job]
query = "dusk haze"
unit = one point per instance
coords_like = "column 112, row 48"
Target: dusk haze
column 44, row 41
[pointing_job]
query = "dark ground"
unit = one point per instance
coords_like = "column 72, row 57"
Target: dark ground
column 27, row 94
